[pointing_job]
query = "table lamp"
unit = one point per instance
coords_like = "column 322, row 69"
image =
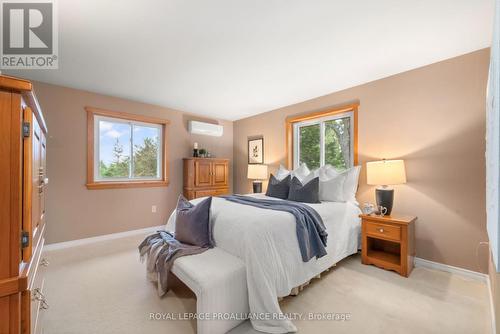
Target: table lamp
column 257, row 173
column 382, row 174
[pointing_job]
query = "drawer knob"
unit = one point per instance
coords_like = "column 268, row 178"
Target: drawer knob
column 381, row 230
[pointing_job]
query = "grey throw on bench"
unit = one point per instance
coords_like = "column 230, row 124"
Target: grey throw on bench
column 161, row 250
column 311, row 232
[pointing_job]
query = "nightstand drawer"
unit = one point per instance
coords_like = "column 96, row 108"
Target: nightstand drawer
column 382, row 230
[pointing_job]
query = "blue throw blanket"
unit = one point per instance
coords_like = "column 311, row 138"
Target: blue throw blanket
column 311, row 232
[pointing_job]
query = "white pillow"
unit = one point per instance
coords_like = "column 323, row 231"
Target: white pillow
column 351, row 183
column 346, row 180
column 328, row 172
column 332, row 189
column 281, row 173
column 312, row 175
column 300, row 172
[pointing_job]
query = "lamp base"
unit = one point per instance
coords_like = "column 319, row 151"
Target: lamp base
column 385, row 198
column 257, row 187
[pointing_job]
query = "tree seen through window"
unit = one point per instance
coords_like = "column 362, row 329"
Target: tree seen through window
column 128, row 150
column 336, row 143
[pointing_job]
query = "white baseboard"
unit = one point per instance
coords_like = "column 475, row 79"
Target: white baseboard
column 469, row 274
column 86, row 241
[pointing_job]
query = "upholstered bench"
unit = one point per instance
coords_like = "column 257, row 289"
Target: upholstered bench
column 219, row 281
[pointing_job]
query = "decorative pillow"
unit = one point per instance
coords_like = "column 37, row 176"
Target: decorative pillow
column 308, row 193
column 277, row 188
column 192, row 223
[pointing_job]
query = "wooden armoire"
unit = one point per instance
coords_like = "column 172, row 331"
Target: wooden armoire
column 22, row 207
column 205, row 177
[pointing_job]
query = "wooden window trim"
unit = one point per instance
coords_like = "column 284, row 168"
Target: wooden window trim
column 291, row 121
column 91, row 183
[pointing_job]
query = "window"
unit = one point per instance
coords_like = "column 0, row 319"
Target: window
column 323, row 138
column 125, row 150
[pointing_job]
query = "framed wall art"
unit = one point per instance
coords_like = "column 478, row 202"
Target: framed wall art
column 256, row 151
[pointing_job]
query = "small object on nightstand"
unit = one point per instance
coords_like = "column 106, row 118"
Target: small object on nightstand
column 389, row 242
column 368, row 208
column 381, row 211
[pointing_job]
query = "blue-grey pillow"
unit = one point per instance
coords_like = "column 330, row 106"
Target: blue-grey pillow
column 192, row 223
column 277, row 188
column 305, row 193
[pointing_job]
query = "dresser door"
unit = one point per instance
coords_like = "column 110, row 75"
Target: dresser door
column 28, row 180
column 220, row 171
column 202, row 173
column 10, row 207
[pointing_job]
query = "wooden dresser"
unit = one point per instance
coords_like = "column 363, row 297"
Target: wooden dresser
column 22, row 207
column 205, row 177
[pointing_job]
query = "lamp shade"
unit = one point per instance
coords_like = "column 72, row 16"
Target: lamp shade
column 385, row 172
column 257, row 172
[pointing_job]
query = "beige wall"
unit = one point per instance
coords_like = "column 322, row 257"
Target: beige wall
column 73, row 212
column 434, row 118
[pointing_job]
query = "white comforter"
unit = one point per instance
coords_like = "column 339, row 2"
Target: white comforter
column 266, row 241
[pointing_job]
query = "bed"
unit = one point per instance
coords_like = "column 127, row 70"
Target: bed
column 266, row 242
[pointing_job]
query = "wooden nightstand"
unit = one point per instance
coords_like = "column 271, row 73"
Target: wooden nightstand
column 389, row 242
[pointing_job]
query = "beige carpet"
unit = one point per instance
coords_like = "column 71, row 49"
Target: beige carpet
column 101, row 288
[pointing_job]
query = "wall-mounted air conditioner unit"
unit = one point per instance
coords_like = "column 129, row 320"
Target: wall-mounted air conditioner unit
column 207, row 129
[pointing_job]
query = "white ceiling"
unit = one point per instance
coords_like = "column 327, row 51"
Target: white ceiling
column 231, row 59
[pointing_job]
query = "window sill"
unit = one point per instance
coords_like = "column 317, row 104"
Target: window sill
column 126, row 184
